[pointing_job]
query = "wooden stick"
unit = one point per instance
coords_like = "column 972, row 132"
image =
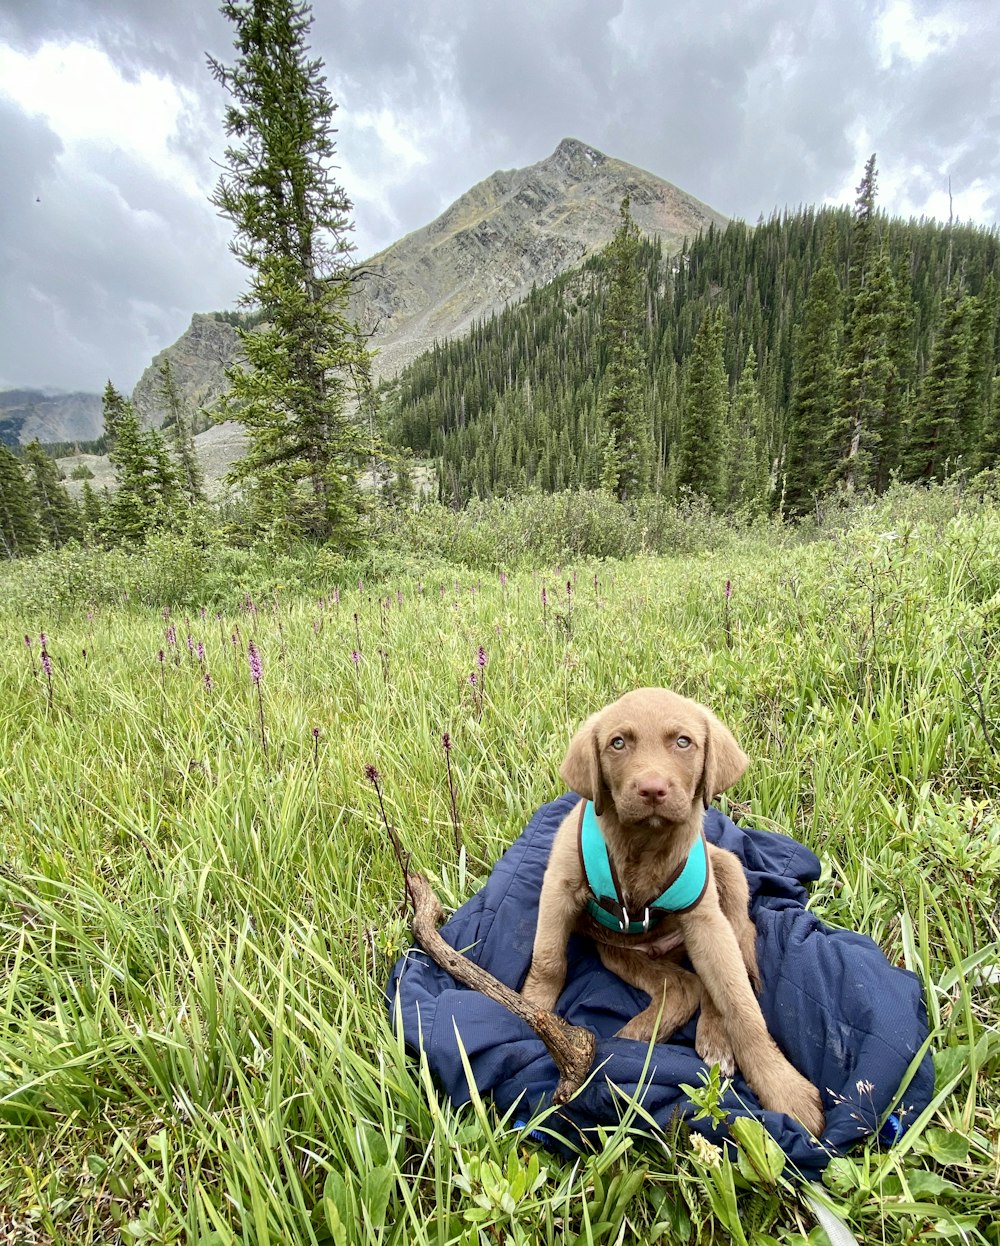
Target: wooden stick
column 571, row 1046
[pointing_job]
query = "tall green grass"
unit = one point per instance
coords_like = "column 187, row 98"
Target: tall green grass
column 196, row 925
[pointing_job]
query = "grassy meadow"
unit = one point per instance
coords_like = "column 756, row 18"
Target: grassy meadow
column 199, row 905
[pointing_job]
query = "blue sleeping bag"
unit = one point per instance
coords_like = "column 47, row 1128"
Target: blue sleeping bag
column 846, row 1018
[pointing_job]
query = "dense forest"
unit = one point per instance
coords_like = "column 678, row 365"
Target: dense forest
column 820, row 347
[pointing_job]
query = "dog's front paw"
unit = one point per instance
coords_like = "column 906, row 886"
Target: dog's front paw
column 712, row 1043
column 797, row 1097
column 802, row 1100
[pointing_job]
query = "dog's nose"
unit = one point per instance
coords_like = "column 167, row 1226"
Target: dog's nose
column 653, row 789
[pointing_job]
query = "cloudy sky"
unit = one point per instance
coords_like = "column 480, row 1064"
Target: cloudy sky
column 110, row 132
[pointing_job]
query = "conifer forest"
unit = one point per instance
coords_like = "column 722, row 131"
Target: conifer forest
column 820, row 348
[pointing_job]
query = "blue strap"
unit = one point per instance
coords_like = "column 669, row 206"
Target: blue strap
column 605, row 904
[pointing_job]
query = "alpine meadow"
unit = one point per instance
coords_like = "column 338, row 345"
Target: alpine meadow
column 580, row 435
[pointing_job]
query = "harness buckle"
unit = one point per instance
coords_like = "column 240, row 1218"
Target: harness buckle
column 645, row 920
column 624, row 922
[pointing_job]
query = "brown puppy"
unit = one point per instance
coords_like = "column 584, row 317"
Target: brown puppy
column 650, row 763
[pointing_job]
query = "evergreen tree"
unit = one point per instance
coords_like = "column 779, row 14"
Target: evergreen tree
column 19, row 533
column 623, row 408
column 899, row 382
column 92, row 512
column 291, row 221
column 747, row 460
column 864, row 231
column 700, row 462
column 133, row 511
column 58, row 516
column 178, row 422
column 864, row 376
column 941, row 419
column 114, row 405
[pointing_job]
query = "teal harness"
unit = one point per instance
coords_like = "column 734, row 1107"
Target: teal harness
column 606, row 904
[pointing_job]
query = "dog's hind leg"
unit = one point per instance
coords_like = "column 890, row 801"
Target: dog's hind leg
column 674, row 994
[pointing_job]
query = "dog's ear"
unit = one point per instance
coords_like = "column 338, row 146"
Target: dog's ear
column 581, row 768
column 725, row 761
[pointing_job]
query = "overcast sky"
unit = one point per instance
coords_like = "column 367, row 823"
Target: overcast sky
column 110, row 130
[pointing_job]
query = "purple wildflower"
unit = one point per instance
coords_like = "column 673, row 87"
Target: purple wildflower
column 208, row 682
column 481, row 658
column 201, row 653
column 255, row 674
column 472, row 678
column 355, row 656
column 446, row 742
column 171, row 635
column 336, row 596
column 160, row 655
column 190, row 644
column 166, row 613
column 46, row 664
column 43, row 640
column 729, row 589
column 371, row 774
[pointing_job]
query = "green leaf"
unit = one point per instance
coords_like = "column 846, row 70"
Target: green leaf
column 947, row 1146
column 376, row 1187
column 925, row 1184
column 760, row 1157
column 337, row 1207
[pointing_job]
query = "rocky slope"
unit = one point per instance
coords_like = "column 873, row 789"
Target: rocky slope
column 517, row 228
column 198, row 361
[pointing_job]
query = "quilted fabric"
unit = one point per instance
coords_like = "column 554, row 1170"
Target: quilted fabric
column 846, row 1018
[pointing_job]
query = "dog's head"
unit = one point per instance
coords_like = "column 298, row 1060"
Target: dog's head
column 656, row 757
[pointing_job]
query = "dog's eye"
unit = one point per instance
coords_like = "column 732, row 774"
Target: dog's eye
column 618, row 743
column 683, row 741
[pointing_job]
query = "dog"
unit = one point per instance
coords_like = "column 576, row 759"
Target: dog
column 647, row 767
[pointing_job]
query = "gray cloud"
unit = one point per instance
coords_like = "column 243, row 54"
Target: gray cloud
column 751, row 106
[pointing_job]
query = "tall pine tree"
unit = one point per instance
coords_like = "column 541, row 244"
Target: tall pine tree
column 58, row 515
column 628, row 459
column 941, row 419
column 19, row 533
column 178, row 421
column 700, row 463
column 291, row 220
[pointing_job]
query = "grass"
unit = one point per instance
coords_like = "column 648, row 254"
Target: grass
column 196, row 924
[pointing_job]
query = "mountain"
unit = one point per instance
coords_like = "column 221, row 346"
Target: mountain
column 517, row 229
column 29, row 413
